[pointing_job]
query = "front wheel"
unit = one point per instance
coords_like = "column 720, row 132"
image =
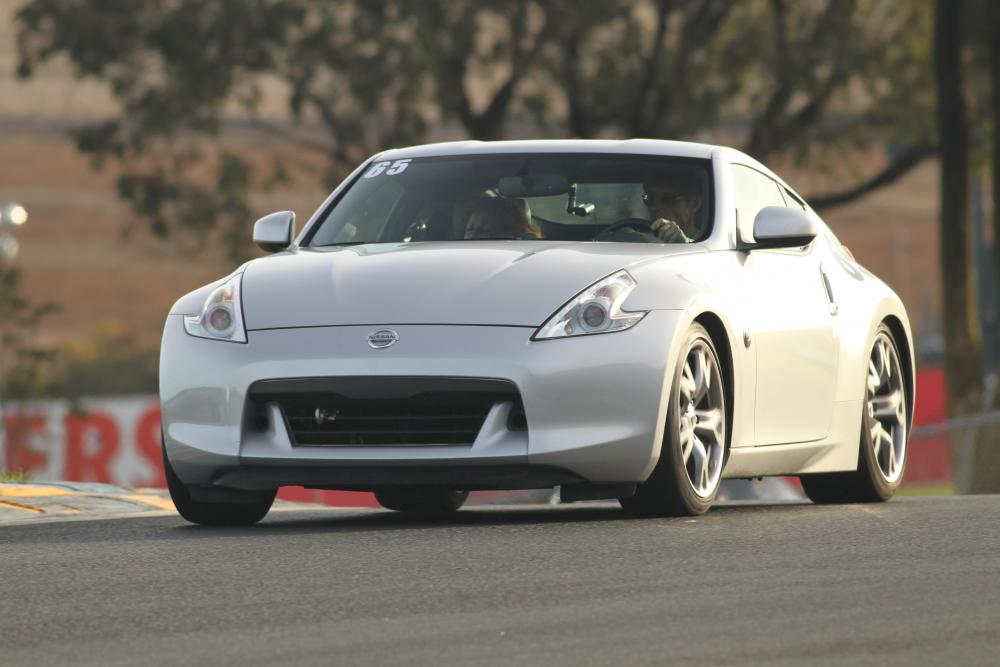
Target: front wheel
column 421, row 499
column 687, row 477
column 884, row 422
column 247, row 507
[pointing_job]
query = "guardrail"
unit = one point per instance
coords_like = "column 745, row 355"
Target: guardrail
column 948, row 452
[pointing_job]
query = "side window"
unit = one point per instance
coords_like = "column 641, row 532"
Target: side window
column 793, row 200
column 753, row 192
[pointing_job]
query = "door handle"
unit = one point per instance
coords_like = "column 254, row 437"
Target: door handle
column 828, row 288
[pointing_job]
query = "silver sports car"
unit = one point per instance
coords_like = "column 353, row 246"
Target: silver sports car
column 623, row 319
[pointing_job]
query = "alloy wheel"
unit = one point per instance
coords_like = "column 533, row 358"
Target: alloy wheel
column 886, row 405
column 702, row 419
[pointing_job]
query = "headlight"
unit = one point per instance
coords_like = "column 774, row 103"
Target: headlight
column 595, row 310
column 222, row 315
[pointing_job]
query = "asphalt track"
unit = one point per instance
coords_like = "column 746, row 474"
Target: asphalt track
column 912, row 582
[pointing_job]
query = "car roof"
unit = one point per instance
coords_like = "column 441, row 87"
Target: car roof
column 621, row 147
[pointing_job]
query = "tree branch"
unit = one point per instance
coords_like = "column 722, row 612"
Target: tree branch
column 489, row 122
column 773, row 128
column 699, row 28
column 337, row 125
column 575, row 90
column 763, row 125
column 457, row 42
column 898, row 167
column 274, row 130
column 993, row 35
column 795, row 126
column 638, row 123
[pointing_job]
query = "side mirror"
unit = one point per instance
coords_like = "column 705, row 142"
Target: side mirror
column 274, row 232
column 781, row 227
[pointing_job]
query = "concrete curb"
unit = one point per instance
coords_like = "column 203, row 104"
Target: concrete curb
column 29, row 502
column 32, row 502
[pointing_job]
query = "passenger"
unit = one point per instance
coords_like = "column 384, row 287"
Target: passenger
column 501, row 218
column 673, row 201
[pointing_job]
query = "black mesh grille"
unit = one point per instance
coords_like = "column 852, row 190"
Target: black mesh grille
column 386, row 411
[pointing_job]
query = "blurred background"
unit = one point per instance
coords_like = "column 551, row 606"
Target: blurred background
column 140, row 140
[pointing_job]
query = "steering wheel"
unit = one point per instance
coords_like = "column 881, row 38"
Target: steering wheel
column 638, row 224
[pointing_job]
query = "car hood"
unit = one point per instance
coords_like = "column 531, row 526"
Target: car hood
column 512, row 283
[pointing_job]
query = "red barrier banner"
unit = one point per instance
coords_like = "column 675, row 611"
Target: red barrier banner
column 113, row 440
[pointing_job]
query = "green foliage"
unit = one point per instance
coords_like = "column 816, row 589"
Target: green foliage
column 110, row 361
column 801, row 78
column 23, row 363
column 173, row 67
column 16, row 475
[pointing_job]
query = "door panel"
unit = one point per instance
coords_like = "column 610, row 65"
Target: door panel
column 794, row 325
column 797, row 351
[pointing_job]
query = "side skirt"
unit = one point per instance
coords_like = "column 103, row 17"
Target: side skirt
column 837, row 453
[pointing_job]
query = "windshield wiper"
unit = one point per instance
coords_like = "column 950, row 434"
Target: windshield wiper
column 482, row 238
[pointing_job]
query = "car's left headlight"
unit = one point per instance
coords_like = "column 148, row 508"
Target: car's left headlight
column 221, row 317
column 595, row 310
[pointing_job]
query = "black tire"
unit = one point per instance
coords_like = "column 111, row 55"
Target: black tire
column 251, row 507
column 669, row 490
column 418, row 499
column 866, row 484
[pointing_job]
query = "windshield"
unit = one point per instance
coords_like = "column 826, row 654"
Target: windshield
column 609, row 198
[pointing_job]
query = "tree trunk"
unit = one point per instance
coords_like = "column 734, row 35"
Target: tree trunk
column 575, row 90
column 985, row 468
column 961, row 338
column 961, row 357
column 993, row 37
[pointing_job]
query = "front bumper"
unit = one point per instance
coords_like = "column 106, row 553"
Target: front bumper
column 594, row 405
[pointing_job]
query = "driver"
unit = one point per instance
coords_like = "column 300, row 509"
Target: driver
column 498, row 217
column 673, row 201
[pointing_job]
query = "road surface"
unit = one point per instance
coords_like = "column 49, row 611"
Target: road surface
column 915, row 581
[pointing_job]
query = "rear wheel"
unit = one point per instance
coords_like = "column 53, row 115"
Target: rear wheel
column 243, row 508
column 421, row 499
column 686, row 478
column 884, row 422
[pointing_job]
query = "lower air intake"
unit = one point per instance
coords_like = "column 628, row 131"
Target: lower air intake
column 381, row 411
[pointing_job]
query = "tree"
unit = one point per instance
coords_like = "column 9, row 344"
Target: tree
column 985, row 454
column 816, row 79
column 22, row 361
column 371, row 75
column 958, row 292
column 990, row 35
column 639, row 69
column 952, row 36
column 177, row 69
column 452, row 45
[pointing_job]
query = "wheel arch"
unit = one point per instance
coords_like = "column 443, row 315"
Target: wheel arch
column 720, row 339
column 902, row 340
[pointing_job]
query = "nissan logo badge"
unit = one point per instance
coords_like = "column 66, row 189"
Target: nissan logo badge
column 382, row 338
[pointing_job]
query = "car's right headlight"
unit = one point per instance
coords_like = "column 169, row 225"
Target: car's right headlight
column 595, row 310
column 221, row 317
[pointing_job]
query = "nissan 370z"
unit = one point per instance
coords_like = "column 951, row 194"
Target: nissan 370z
column 632, row 320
